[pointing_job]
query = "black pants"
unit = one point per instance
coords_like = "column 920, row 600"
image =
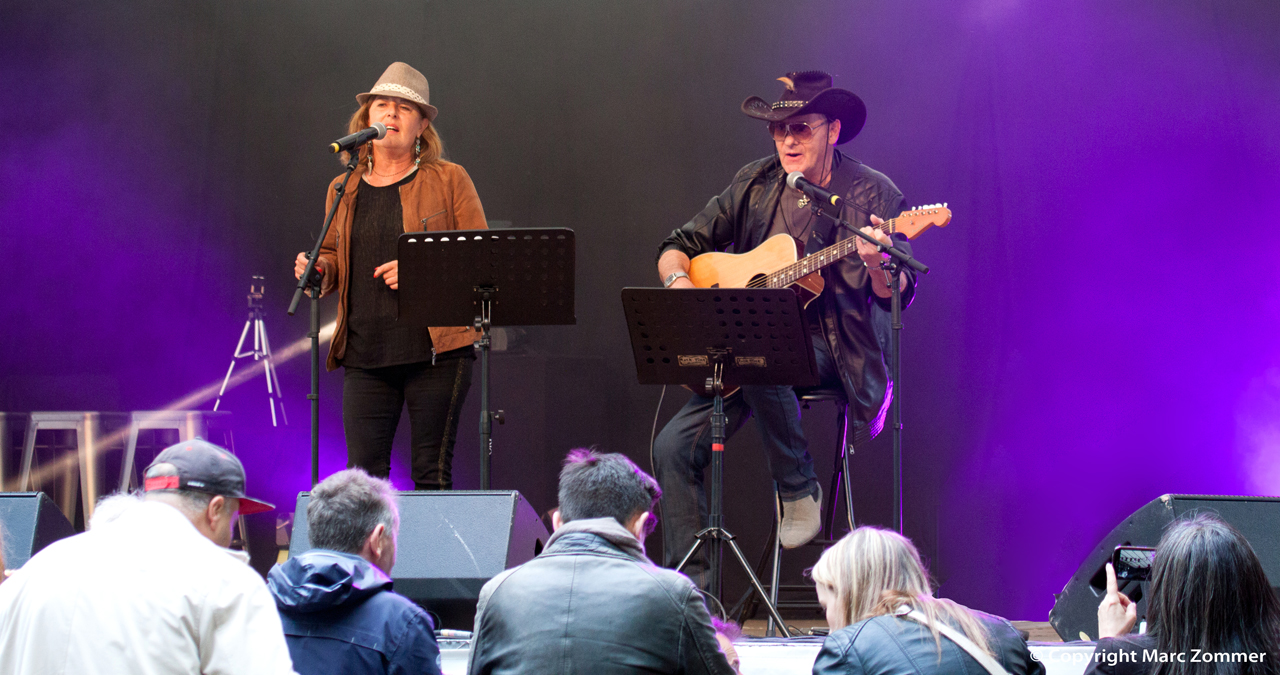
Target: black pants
column 372, row 399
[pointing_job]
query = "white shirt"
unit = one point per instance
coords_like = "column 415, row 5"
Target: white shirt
column 144, row 593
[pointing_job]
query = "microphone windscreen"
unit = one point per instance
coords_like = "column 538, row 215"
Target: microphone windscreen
column 382, row 129
column 792, row 178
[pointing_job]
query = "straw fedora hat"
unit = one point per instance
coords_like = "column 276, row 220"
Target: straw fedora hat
column 810, row 91
column 402, row 80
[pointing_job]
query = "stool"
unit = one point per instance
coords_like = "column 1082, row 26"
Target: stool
column 839, row 477
column 91, row 435
column 840, row 472
column 188, row 423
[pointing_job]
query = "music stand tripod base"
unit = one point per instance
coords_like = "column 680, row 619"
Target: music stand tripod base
column 713, row 339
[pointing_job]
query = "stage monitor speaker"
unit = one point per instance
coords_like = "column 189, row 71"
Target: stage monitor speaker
column 450, row 544
column 29, row 521
column 1075, row 612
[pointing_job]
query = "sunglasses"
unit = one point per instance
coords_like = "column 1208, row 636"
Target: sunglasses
column 801, row 131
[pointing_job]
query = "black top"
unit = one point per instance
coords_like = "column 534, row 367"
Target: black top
column 374, row 337
column 796, row 220
column 810, row 228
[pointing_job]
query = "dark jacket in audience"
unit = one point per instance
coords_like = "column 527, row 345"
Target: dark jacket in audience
column 891, row 644
column 593, row 603
column 341, row 616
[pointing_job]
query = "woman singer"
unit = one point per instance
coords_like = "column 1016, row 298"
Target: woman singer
column 402, row 184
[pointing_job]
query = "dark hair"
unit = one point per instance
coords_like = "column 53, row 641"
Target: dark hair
column 594, row 485
column 346, row 507
column 1209, row 592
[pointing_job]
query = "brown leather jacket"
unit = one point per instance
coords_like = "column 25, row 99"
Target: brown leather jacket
column 440, row 197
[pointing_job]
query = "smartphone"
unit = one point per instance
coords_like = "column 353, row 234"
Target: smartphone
column 1132, row 563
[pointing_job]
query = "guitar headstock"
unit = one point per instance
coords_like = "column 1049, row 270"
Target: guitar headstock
column 912, row 223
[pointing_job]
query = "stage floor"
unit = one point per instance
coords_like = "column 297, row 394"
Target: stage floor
column 795, row 656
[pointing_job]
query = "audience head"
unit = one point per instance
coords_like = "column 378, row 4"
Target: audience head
column 204, row 482
column 728, row 632
column 111, row 507
column 595, row 485
column 353, row 512
column 1209, row 592
column 857, row 572
column 871, row 572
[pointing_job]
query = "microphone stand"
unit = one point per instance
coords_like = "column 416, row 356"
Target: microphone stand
column 311, row 281
column 895, row 371
column 898, row 260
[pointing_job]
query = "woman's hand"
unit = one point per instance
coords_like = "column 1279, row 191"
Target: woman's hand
column 390, row 273
column 300, row 265
column 1117, row 613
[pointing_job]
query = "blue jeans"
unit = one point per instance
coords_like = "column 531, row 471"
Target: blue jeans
column 682, row 451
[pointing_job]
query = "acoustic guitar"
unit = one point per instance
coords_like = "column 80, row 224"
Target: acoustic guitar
column 780, row 261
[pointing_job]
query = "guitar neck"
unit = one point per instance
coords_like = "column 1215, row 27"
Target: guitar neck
column 812, row 263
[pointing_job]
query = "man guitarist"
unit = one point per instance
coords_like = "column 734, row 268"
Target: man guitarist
column 849, row 320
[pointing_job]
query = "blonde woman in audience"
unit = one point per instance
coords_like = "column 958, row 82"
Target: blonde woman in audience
column 884, row 618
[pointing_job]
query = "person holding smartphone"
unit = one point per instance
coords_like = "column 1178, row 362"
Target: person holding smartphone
column 1210, row 609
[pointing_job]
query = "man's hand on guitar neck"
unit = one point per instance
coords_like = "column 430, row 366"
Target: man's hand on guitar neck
column 873, row 258
column 870, row 254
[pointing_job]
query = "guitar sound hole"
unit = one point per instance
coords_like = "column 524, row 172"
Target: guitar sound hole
column 758, row 281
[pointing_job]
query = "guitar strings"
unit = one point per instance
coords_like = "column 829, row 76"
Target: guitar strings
column 779, row 276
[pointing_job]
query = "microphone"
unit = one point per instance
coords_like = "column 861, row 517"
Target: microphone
column 797, row 181
column 359, row 138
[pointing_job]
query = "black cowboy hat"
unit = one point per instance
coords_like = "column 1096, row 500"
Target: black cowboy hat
column 810, row 91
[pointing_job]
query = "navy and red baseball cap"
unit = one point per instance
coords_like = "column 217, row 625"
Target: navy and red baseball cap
column 205, row 467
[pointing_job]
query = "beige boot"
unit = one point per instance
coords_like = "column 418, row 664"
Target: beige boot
column 801, row 520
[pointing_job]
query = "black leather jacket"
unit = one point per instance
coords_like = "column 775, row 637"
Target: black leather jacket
column 855, row 321
column 891, row 645
column 592, row 603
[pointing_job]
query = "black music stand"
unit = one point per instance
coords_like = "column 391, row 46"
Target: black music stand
column 485, row 278
column 715, row 339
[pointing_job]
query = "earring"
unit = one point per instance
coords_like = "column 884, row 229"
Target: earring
column 370, row 159
column 417, row 150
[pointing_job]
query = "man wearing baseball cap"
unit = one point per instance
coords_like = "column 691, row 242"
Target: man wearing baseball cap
column 152, row 589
